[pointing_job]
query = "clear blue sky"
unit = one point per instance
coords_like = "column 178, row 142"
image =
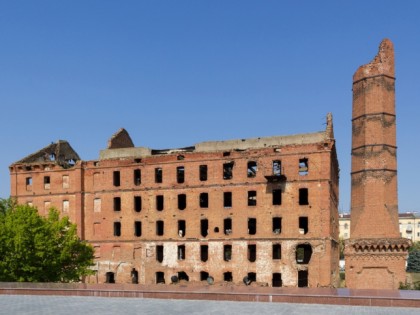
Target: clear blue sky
column 174, row 73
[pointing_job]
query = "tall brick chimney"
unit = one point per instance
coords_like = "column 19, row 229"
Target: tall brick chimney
column 375, row 254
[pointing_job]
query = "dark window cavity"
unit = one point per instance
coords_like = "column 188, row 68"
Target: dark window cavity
column 302, row 278
column 159, row 228
column 276, row 168
column 204, row 200
column 204, row 252
column 204, row 275
column 159, row 202
column 303, row 253
column 303, row 225
column 276, row 225
column 180, row 174
column 47, row 182
column 252, row 252
column 181, row 252
column 137, row 203
column 252, row 169
column 227, row 199
column 252, row 276
column 117, row 228
column 116, row 178
column 203, row 173
column 227, row 252
column 158, row 175
column 181, row 228
column 137, row 228
column 303, row 167
column 159, row 253
column 109, row 277
column 160, row 277
column 228, row 170
column 252, row 226
column 227, row 226
column 276, row 197
column 137, row 177
column 227, row 276
column 277, row 280
column 252, row 198
column 182, row 201
column 276, row 251
column 117, row 203
column 204, row 227
column 182, row 275
column 303, row 196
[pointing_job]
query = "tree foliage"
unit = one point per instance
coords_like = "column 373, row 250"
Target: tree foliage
column 40, row 249
column 413, row 262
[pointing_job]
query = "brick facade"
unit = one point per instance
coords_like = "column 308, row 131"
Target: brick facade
column 263, row 209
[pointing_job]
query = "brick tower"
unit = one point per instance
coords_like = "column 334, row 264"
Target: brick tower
column 375, row 254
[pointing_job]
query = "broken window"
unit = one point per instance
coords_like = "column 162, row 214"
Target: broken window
column 302, row 278
column 47, row 182
column 276, row 168
column 252, row 198
column 303, row 167
column 303, row 225
column 303, row 253
column 252, row 252
column 277, row 280
column 227, row 199
column 204, row 252
column 158, row 175
column 117, row 203
column 182, row 275
column 181, row 228
column 66, row 181
column 216, row 230
column 276, row 197
column 227, row 276
column 204, row 275
column 181, row 252
column 134, row 276
column 226, row 153
column 203, row 172
column 137, row 203
column 66, row 206
column 116, row 178
column 228, row 170
column 160, row 277
column 252, row 226
column 180, row 157
column 252, row 169
column 227, row 226
column 159, row 202
column 117, row 228
column 137, row 177
column 159, row 228
column 182, row 201
column 276, row 251
column 137, row 228
column 28, row 183
column 180, row 174
column 303, row 196
column 204, row 200
column 204, row 227
column 159, row 253
column 276, row 225
column 109, row 277
column 227, row 252
column 252, row 277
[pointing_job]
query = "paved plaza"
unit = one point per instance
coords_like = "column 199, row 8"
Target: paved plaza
column 76, row 305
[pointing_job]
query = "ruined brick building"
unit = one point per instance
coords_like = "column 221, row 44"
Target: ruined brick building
column 251, row 210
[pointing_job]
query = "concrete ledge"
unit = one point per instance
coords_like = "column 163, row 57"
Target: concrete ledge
column 390, row 298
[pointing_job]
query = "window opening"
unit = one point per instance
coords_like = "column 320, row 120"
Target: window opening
column 180, row 157
column 252, row 198
column 182, row 201
column 160, row 277
column 226, row 153
column 137, row 203
column 276, row 225
column 252, row 252
column 204, row 252
column 227, row 226
column 204, row 275
column 277, row 280
column 116, row 178
column 276, row 168
column 117, row 228
column 47, row 182
column 303, row 225
column 252, row 169
column 227, row 252
column 137, row 177
column 303, row 253
column 203, row 173
column 117, row 203
column 227, row 199
column 159, row 253
column 228, row 170
column 204, row 227
column 276, row 251
column 159, row 228
column 181, row 252
column 181, row 228
column 159, row 202
column 182, row 275
column 302, row 278
column 204, row 200
column 28, row 181
column 251, row 277
column 276, row 197
column 180, row 174
column 227, row 276
column 252, row 226
column 134, row 276
column 216, row 230
column 303, row 167
column 303, row 196
column 158, row 175
column 137, row 228
column 109, row 277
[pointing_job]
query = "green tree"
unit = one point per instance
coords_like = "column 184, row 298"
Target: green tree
column 413, row 262
column 40, row 249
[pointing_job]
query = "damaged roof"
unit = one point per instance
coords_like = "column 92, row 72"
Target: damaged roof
column 60, row 152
